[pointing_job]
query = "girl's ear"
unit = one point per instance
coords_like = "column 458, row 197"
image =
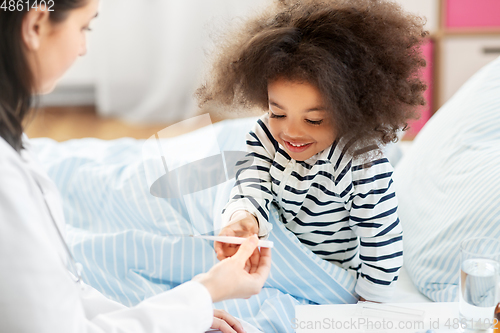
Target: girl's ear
column 35, row 24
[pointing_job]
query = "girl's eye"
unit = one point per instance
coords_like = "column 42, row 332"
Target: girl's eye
column 314, row 122
column 273, row 115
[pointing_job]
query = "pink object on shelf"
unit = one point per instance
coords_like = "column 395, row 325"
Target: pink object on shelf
column 426, row 110
column 472, row 13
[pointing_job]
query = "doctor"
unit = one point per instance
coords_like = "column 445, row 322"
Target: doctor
column 40, row 288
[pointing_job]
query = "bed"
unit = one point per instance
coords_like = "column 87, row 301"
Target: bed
column 117, row 229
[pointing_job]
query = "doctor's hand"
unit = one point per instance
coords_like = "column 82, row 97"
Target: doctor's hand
column 242, row 224
column 238, row 277
column 226, row 323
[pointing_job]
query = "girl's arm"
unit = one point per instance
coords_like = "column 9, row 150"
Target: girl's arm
column 373, row 217
column 252, row 191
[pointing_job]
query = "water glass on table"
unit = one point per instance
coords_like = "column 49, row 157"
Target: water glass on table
column 478, row 283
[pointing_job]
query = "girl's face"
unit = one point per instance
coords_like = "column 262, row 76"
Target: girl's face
column 59, row 45
column 298, row 119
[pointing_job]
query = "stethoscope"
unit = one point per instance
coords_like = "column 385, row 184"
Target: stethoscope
column 75, row 268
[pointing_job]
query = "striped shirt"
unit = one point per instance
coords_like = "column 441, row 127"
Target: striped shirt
column 341, row 208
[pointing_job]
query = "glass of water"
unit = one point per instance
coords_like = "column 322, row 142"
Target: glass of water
column 478, row 284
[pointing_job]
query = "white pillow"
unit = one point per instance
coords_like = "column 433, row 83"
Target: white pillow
column 448, row 184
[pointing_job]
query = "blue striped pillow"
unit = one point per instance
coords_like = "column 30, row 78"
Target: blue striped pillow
column 448, row 184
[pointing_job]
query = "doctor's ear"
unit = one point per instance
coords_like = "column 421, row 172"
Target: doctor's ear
column 35, row 24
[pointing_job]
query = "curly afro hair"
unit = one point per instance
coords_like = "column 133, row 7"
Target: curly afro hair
column 362, row 55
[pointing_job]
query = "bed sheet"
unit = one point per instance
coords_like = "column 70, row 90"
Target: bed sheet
column 117, row 229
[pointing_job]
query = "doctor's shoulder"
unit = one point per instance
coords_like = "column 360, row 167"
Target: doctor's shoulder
column 13, row 168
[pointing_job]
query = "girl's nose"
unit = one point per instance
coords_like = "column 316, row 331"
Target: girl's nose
column 293, row 131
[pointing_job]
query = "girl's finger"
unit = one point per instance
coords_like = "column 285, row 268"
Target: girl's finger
column 217, row 247
column 229, row 250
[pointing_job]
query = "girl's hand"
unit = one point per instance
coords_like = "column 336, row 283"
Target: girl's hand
column 237, row 276
column 242, row 224
column 226, row 323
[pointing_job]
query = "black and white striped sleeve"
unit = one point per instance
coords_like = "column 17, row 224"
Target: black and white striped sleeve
column 374, row 219
column 252, row 191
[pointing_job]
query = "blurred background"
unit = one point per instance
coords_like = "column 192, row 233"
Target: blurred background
column 146, row 58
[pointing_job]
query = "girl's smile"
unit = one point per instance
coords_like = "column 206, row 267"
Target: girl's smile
column 296, row 147
column 298, row 120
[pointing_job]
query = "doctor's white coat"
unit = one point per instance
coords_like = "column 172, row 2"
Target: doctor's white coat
column 37, row 293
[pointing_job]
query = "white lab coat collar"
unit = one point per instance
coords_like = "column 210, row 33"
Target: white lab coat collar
column 47, row 187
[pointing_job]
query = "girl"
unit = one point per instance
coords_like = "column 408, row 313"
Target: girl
column 38, row 293
column 339, row 79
